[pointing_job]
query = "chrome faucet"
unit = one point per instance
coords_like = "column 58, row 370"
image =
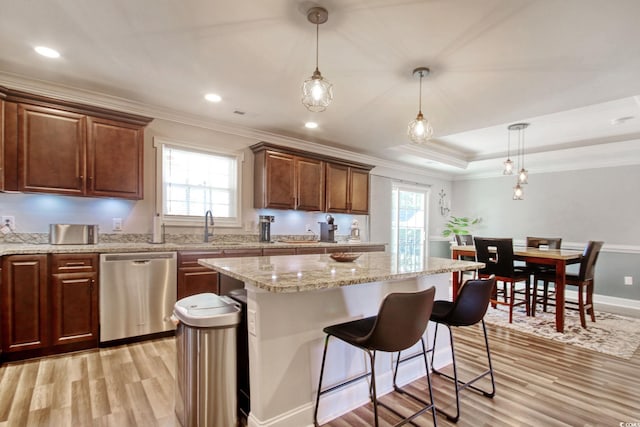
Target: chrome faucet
column 207, row 234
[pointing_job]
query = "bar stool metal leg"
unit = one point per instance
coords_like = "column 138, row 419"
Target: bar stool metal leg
column 461, row 385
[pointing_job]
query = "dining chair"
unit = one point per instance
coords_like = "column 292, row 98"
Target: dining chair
column 468, row 309
column 542, row 272
column 497, row 255
column 584, row 281
column 401, row 322
column 465, row 240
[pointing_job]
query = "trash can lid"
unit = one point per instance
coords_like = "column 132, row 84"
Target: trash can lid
column 207, row 311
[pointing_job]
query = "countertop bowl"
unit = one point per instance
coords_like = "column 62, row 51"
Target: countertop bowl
column 345, row 256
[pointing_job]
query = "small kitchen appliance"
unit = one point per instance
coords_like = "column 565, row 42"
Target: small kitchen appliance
column 73, row 234
column 355, row 231
column 265, row 227
column 327, row 230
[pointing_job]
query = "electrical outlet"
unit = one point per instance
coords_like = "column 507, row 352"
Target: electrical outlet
column 117, row 224
column 628, row 280
column 251, row 322
column 9, row 221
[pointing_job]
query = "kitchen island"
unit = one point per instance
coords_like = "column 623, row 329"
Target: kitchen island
column 290, row 299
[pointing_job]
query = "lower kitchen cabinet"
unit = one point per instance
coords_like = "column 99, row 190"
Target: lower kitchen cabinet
column 74, row 298
column 25, row 303
column 46, row 313
column 194, row 278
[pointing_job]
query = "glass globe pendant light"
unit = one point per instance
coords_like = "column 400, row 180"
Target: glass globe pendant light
column 508, row 164
column 317, row 92
column 420, row 130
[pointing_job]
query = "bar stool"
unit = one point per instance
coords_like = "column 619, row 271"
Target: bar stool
column 468, row 309
column 400, row 323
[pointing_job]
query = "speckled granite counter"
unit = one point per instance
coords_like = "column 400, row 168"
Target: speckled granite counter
column 290, row 299
column 29, row 248
column 311, row 272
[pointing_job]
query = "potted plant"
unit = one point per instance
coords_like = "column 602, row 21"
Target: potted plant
column 459, row 225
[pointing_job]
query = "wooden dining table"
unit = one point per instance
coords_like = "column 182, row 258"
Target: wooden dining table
column 559, row 258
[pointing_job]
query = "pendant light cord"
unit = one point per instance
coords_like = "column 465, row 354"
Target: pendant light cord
column 317, row 38
column 420, row 100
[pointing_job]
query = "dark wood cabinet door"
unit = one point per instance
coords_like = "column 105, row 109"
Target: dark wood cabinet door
column 114, row 159
column 24, row 302
column 50, row 150
column 309, row 184
column 359, row 191
column 74, row 308
column 196, row 280
column 337, row 188
column 280, row 181
column 278, row 251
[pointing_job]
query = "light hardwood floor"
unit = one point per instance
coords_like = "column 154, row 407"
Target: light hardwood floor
column 539, row 383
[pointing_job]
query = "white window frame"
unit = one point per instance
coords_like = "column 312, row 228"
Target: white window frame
column 190, row 221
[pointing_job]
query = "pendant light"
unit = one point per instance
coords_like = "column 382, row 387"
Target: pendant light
column 523, row 174
column 317, row 92
column 420, row 130
column 508, row 164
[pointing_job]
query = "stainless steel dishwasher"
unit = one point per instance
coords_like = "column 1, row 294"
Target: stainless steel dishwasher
column 137, row 294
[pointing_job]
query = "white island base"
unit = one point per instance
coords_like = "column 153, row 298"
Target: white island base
column 286, row 342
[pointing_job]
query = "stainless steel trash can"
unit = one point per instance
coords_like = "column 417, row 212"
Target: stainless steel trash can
column 206, row 360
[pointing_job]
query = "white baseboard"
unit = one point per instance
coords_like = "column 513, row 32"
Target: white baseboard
column 609, row 304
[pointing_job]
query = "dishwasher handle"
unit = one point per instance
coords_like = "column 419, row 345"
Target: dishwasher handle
column 146, row 256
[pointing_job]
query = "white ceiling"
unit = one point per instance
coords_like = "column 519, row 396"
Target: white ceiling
column 568, row 67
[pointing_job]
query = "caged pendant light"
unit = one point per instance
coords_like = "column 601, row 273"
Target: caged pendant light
column 420, row 130
column 317, row 92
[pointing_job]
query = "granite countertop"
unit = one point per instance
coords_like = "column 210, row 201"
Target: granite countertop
column 312, row 272
column 31, row 248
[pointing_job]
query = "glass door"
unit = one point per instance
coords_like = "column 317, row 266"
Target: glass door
column 409, row 225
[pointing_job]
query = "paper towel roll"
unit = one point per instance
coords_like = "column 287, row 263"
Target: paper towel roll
column 157, row 230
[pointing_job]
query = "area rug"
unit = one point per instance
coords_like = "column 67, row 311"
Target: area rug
column 611, row 333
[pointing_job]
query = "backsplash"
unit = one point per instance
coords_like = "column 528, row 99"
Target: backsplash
column 43, row 238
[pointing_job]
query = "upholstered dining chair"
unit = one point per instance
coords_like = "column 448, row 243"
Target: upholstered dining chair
column 497, row 255
column 584, row 281
column 401, row 321
column 544, row 273
column 468, row 309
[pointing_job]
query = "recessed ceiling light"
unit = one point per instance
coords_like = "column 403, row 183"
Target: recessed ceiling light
column 212, row 97
column 47, row 51
column 311, row 125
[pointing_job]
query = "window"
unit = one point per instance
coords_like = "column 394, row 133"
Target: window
column 409, row 225
column 195, row 180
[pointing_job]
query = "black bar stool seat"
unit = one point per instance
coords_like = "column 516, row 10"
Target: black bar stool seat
column 401, row 321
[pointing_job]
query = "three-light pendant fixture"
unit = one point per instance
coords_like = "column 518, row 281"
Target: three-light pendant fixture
column 523, row 174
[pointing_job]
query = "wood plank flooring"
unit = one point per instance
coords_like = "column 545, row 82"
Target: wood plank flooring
column 539, row 383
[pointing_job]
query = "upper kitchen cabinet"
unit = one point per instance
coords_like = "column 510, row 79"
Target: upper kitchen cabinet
column 114, row 159
column 51, row 150
column 286, row 178
column 347, row 189
column 54, row 146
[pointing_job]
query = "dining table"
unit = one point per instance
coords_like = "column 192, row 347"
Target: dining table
column 558, row 258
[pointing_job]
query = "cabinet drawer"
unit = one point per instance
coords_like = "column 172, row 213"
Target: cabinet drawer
column 229, row 253
column 190, row 258
column 74, row 263
column 278, row 251
column 305, row 251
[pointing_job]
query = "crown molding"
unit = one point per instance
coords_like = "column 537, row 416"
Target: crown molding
column 98, row 99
